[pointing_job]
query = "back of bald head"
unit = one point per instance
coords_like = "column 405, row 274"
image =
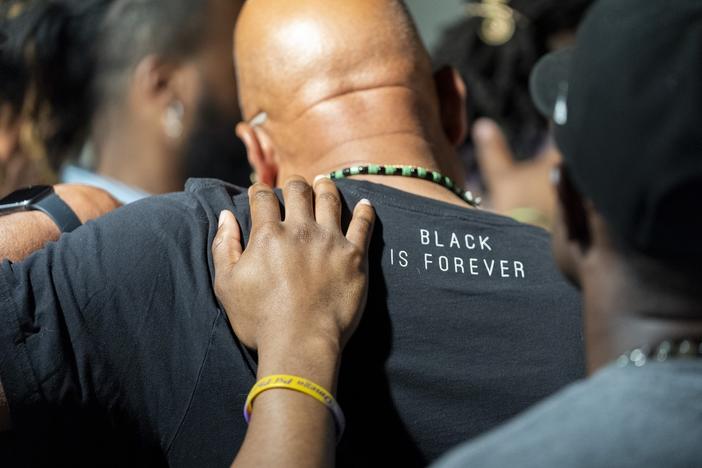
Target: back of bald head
column 293, row 56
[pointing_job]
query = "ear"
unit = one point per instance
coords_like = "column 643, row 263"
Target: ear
column 152, row 82
column 160, row 86
column 452, row 94
column 260, row 152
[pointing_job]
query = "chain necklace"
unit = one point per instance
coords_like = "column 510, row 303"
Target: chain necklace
column 665, row 350
column 408, row 171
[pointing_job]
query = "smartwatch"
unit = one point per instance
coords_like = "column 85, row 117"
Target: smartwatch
column 44, row 199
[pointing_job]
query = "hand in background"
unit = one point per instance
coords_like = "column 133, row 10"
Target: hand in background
column 300, row 279
column 87, row 202
column 522, row 190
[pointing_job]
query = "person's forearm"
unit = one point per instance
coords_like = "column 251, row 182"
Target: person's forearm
column 23, row 233
column 290, row 428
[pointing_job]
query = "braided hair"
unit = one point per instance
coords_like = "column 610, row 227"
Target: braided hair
column 497, row 76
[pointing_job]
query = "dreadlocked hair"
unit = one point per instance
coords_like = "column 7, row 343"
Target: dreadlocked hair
column 497, row 76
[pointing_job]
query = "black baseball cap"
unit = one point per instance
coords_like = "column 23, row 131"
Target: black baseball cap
column 626, row 102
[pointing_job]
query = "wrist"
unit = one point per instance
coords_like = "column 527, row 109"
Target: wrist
column 25, row 232
column 314, row 358
column 45, row 225
column 73, row 196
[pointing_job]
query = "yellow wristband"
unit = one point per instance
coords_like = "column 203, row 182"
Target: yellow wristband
column 301, row 385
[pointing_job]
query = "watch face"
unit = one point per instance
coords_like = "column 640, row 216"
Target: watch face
column 25, row 196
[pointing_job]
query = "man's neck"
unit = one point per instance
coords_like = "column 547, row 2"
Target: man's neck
column 621, row 316
column 143, row 166
column 395, row 149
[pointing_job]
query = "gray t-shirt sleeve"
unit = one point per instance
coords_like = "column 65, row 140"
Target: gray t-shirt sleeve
column 647, row 417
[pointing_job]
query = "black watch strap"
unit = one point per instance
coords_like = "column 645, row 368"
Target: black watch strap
column 59, row 211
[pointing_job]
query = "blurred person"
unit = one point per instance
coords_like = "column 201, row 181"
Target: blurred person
column 625, row 234
column 159, row 367
column 495, row 47
column 20, row 164
column 133, row 94
column 23, row 163
column 518, row 189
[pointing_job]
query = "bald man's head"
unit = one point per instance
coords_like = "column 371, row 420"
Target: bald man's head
column 291, row 55
column 323, row 72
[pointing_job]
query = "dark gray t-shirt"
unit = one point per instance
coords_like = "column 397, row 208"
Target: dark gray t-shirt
column 632, row 417
column 116, row 327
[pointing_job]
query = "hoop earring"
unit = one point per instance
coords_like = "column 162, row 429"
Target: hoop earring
column 173, row 120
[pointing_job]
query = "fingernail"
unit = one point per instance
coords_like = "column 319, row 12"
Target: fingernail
column 318, row 178
column 221, row 218
column 366, row 202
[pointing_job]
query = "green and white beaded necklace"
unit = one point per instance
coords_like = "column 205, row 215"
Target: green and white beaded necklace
column 408, row 171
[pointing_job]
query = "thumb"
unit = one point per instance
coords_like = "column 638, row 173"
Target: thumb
column 226, row 247
column 492, row 151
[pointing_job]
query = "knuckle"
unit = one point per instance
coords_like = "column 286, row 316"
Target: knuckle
column 364, row 221
column 262, row 240
column 218, row 286
column 356, row 256
column 352, row 254
column 327, row 236
column 295, row 177
column 265, row 234
column 297, row 185
column 263, row 195
column 303, row 233
column 330, row 198
column 326, row 184
column 217, row 242
column 267, row 229
column 259, row 186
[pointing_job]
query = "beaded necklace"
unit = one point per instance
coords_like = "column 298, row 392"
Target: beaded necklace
column 665, row 350
column 408, row 171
